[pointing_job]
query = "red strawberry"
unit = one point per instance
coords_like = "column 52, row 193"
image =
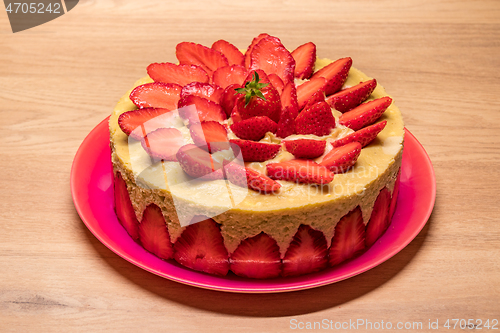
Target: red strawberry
column 130, row 120
column 364, row 136
column 349, row 98
column 248, row 53
column 305, row 57
column 349, row 238
column 256, row 151
column 228, row 98
column 300, row 171
column 163, row 143
column 365, row 114
column 305, row 148
column 156, row 95
column 123, row 207
column 335, row 73
column 249, row 178
column 394, row 199
column 272, row 57
column 209, row 134
column 235, row 115
column 229, row 75
column 307, row 252
column 276, row 82
column 153, row 233
column 199, row 55
column 205, row 90
column 231, row 52
column 257, row 257
column 340, row 159
column 380, row 219
column 317, row 119
column 286, row 125
column 263, row 78
column 289, row 98
column 310, row 90
column 180, row 74
column 198, row 163
column 201, row 247
column 196, row 109
column 318, row 96
column 254, row 128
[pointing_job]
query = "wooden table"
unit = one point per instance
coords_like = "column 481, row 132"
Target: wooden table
column 438, row 59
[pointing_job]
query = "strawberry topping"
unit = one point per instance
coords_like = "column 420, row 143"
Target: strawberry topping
column 300, row 171
column 229, row 75
column 305, row 56
column 209, row 91
column 365, row 114
column 256, row 151
column 286, row 125
column 305, row 148
column 249, row 178
column 231, row 52
column 198, row 163
column 199, row 55
column 317, row 119
column 130, row 120
column 335, row 73
column 289, row 99
column 310, row 91
column 209, row 134
column 364, row 136
column 276, row 82
column 349, row 98
column 156, row 95
column 163, row 143
column 228, row 98
column 272, row 57
column 248, row 53
column 179, row 74
column 196, row 109
column 254, row 128
column 340, row 159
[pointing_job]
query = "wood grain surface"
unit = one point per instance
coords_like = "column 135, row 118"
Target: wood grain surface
column 438, row 59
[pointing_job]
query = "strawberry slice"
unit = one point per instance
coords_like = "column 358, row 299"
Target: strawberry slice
column 198, row 163
column 286, row 125
column 263, row 78
column 199, row 55
column 201, row 247
column 318, row 96
column 289, row 98
column 349, row 238
column 179, row 74
column 205, row 90
column 305, row 57
column 163, row 143
column 394, row 199
column 305, row 148
column 256, row 151
column 307, row 252
column 335, row 73
column 364, row 136
column 310, row 90
column 153, row 233
column 231, row 52
column 209, row 134
column 156, row 95
column 196, row 109
column 229, row 75
column 254, row 128
column 349, row 98
column 380, row 219
column 123, row 207
column 228, row 98
column 249, row 178
column 340, row 159
column 272, row 57
column 317, row 119
column 276, row 82
column 365, row 114
column 248, row 53
column 300, row 171
column 235, row 115
column 257, row 257
column 130, row 120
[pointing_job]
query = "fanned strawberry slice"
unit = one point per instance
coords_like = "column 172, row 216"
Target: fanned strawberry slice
column 305, row 57
column 276, row 82
column 235, row 115
column 307, row 252
column 272, row 57
column 163, row 143
column 231, row 52
column 209, row 91
column 130, row 120
column 300, row 171
column 380, row 219
column 305, row 148
column 394, row 198
column 156, row 95
column 349, row 238
column 317, row 119
column 254, row 128
column 364, row 136
column 229, row 75
column 256, row 151
column 153, row 233
column 340, row 159
column 196, row 54
column 196, row 109
column 228, row 98
column 349, row 98
column 257, row 257
column 201, row 247
column 198, row 163
column 179, row 74
column 335, row 73
column 286, row 125
column 365, row 114
column 248, row 53
column 209, row 134
column 318, row 96
column 289, row 98
column 123, row 207
column 310, row 90
column 249, row 178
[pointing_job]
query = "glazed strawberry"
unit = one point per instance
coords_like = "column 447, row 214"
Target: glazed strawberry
column 179, row 74
column 310, row 90
column 256, row 257
column 364, row 136
column 229, row 75
column 349, row 98
column 123, row 207
column 305, row 57
column 365, row 114
column 289, row 99
column 256, row 151
column 254, row 128
column 163, row 143
column 394, row 198
column 231, row 52
column 340, row 159
column 300, row 171
column 153, row 233
column 349, row 238
column 201, row 247
column 198, row 163
column 130, row 120
column 210, row 134
column 276, row 82
column 316, row 119
column 248, row 53
column 335, row 73
column 199, row 55
column 305, row 148
column 228, row 98
column 272, row 57
column 209, row 91
column 380, row 219
column 156, row 95
column 196, row 109
column 286, row 125
column 307, row 252
column 235, row 115
column 249, row 178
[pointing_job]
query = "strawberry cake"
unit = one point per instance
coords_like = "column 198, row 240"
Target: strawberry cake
column 260, row 163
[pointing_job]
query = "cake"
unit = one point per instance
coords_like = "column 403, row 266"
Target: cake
column 263, row 162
